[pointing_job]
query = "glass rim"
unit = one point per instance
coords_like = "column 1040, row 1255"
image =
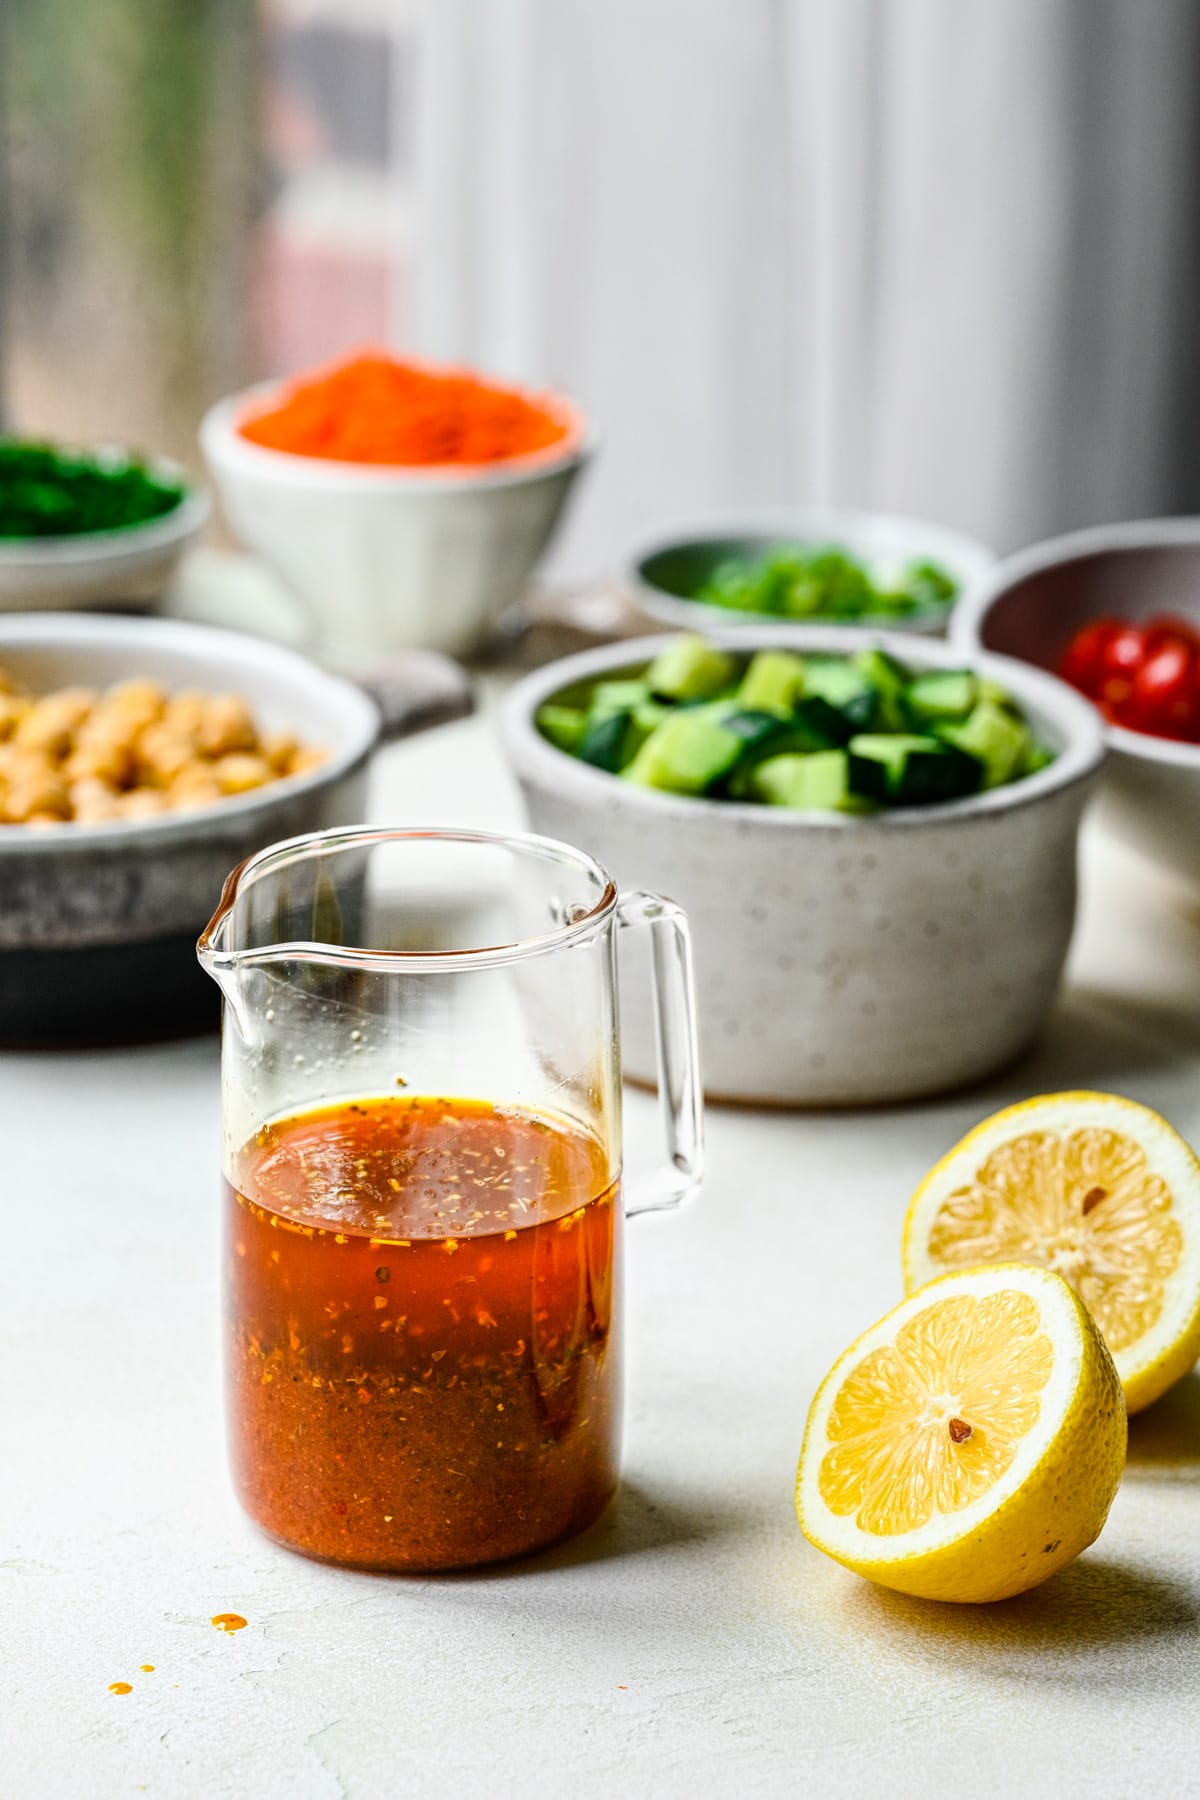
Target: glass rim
column 217, row 958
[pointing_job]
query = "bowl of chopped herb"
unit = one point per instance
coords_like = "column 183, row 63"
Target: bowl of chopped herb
column 96, row 527
column 814, row 566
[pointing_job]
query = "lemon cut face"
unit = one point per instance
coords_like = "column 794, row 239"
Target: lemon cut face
column 970, row 1443
column 928, row 1423
column 1095, row 1187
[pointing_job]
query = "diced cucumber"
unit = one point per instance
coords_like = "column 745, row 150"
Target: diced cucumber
column 690, row 669
column 617, row 696
column 890, row 682
column 766, row 734
column 1000, row 696
column 563, row 725
column 902, row 769
column 649, row 713
column 769, row 732
column 842, row 686
column 941, row 694
column 773, row 681
column 818, row 782
column 819, row 732
column 610, row 741
column 824, row 722
column 687, row 754
column 995, row 737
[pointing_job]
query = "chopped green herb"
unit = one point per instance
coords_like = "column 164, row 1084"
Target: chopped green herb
column 48, row 492
column 798, row 581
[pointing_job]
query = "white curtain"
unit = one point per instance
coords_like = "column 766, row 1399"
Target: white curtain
column 930, row 256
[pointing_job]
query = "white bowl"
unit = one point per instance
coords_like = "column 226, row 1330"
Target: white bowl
column 839, row 960
column 98, row 923
column 390, row 558
column 130, row 567
column 1031, row 606
column 876, row 537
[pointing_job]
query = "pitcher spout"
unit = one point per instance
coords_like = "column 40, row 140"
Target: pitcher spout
column 216, row 957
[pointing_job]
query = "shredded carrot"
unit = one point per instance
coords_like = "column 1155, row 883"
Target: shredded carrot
column 375, row 409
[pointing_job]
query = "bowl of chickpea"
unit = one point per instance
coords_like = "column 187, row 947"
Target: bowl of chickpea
column 140, row 760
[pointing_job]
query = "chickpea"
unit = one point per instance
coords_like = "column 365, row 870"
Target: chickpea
column 162, row 752
column 308, row 756
column 240, row 771
column 279, row 748
column 125, row 709
column 92, row 800
column 184, row 712
column 194, row 786
column 35, row 786
column 102, row 756
column 138, row 695
column 51, row 723
column 132, row 752
column 226, row 725
column 140, row 803
column 13, row 708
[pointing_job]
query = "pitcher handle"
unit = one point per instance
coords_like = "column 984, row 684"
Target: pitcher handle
column 680, row 1093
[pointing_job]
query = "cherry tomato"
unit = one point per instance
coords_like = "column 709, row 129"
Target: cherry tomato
column 1083, row 665
column 1170, row 628
column 1164, row 695
column 1123, row 655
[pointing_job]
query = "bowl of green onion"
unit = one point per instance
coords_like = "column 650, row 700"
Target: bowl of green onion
column 90, row 527
column 827, row 567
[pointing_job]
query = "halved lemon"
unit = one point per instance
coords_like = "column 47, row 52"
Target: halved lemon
column 970, row 1443
column 1096, row 1187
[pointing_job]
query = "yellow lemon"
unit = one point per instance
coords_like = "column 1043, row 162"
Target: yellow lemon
column 1096, row 1187
column 970, row 1443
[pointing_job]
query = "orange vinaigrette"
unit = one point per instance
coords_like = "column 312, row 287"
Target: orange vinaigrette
column 422, row 1344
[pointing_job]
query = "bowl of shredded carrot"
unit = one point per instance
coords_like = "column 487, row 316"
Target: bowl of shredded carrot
column 406, row 504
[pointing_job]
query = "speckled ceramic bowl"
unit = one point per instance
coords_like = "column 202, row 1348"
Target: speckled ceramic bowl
column 98, row 923
column 839, row 960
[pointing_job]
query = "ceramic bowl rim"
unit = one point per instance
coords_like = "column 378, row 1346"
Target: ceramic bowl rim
column 227, row 451
column 803, row 523
column 47, row 631
column 1072, row 716
column 966, row 626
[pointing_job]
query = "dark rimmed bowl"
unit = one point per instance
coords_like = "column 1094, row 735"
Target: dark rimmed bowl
column 98, row 923
column 1030, row 607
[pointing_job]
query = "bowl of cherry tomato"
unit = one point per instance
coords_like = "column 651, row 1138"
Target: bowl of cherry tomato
column 1115, row 611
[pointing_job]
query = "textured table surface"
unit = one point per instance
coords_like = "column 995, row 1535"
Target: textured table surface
column 690, row 1644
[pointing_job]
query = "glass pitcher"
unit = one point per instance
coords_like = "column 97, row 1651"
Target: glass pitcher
column 421, row 1104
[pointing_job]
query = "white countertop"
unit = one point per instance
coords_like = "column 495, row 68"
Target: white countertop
column 692, row 1643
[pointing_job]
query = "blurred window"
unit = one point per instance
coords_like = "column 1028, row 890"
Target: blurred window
column 196, row 193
